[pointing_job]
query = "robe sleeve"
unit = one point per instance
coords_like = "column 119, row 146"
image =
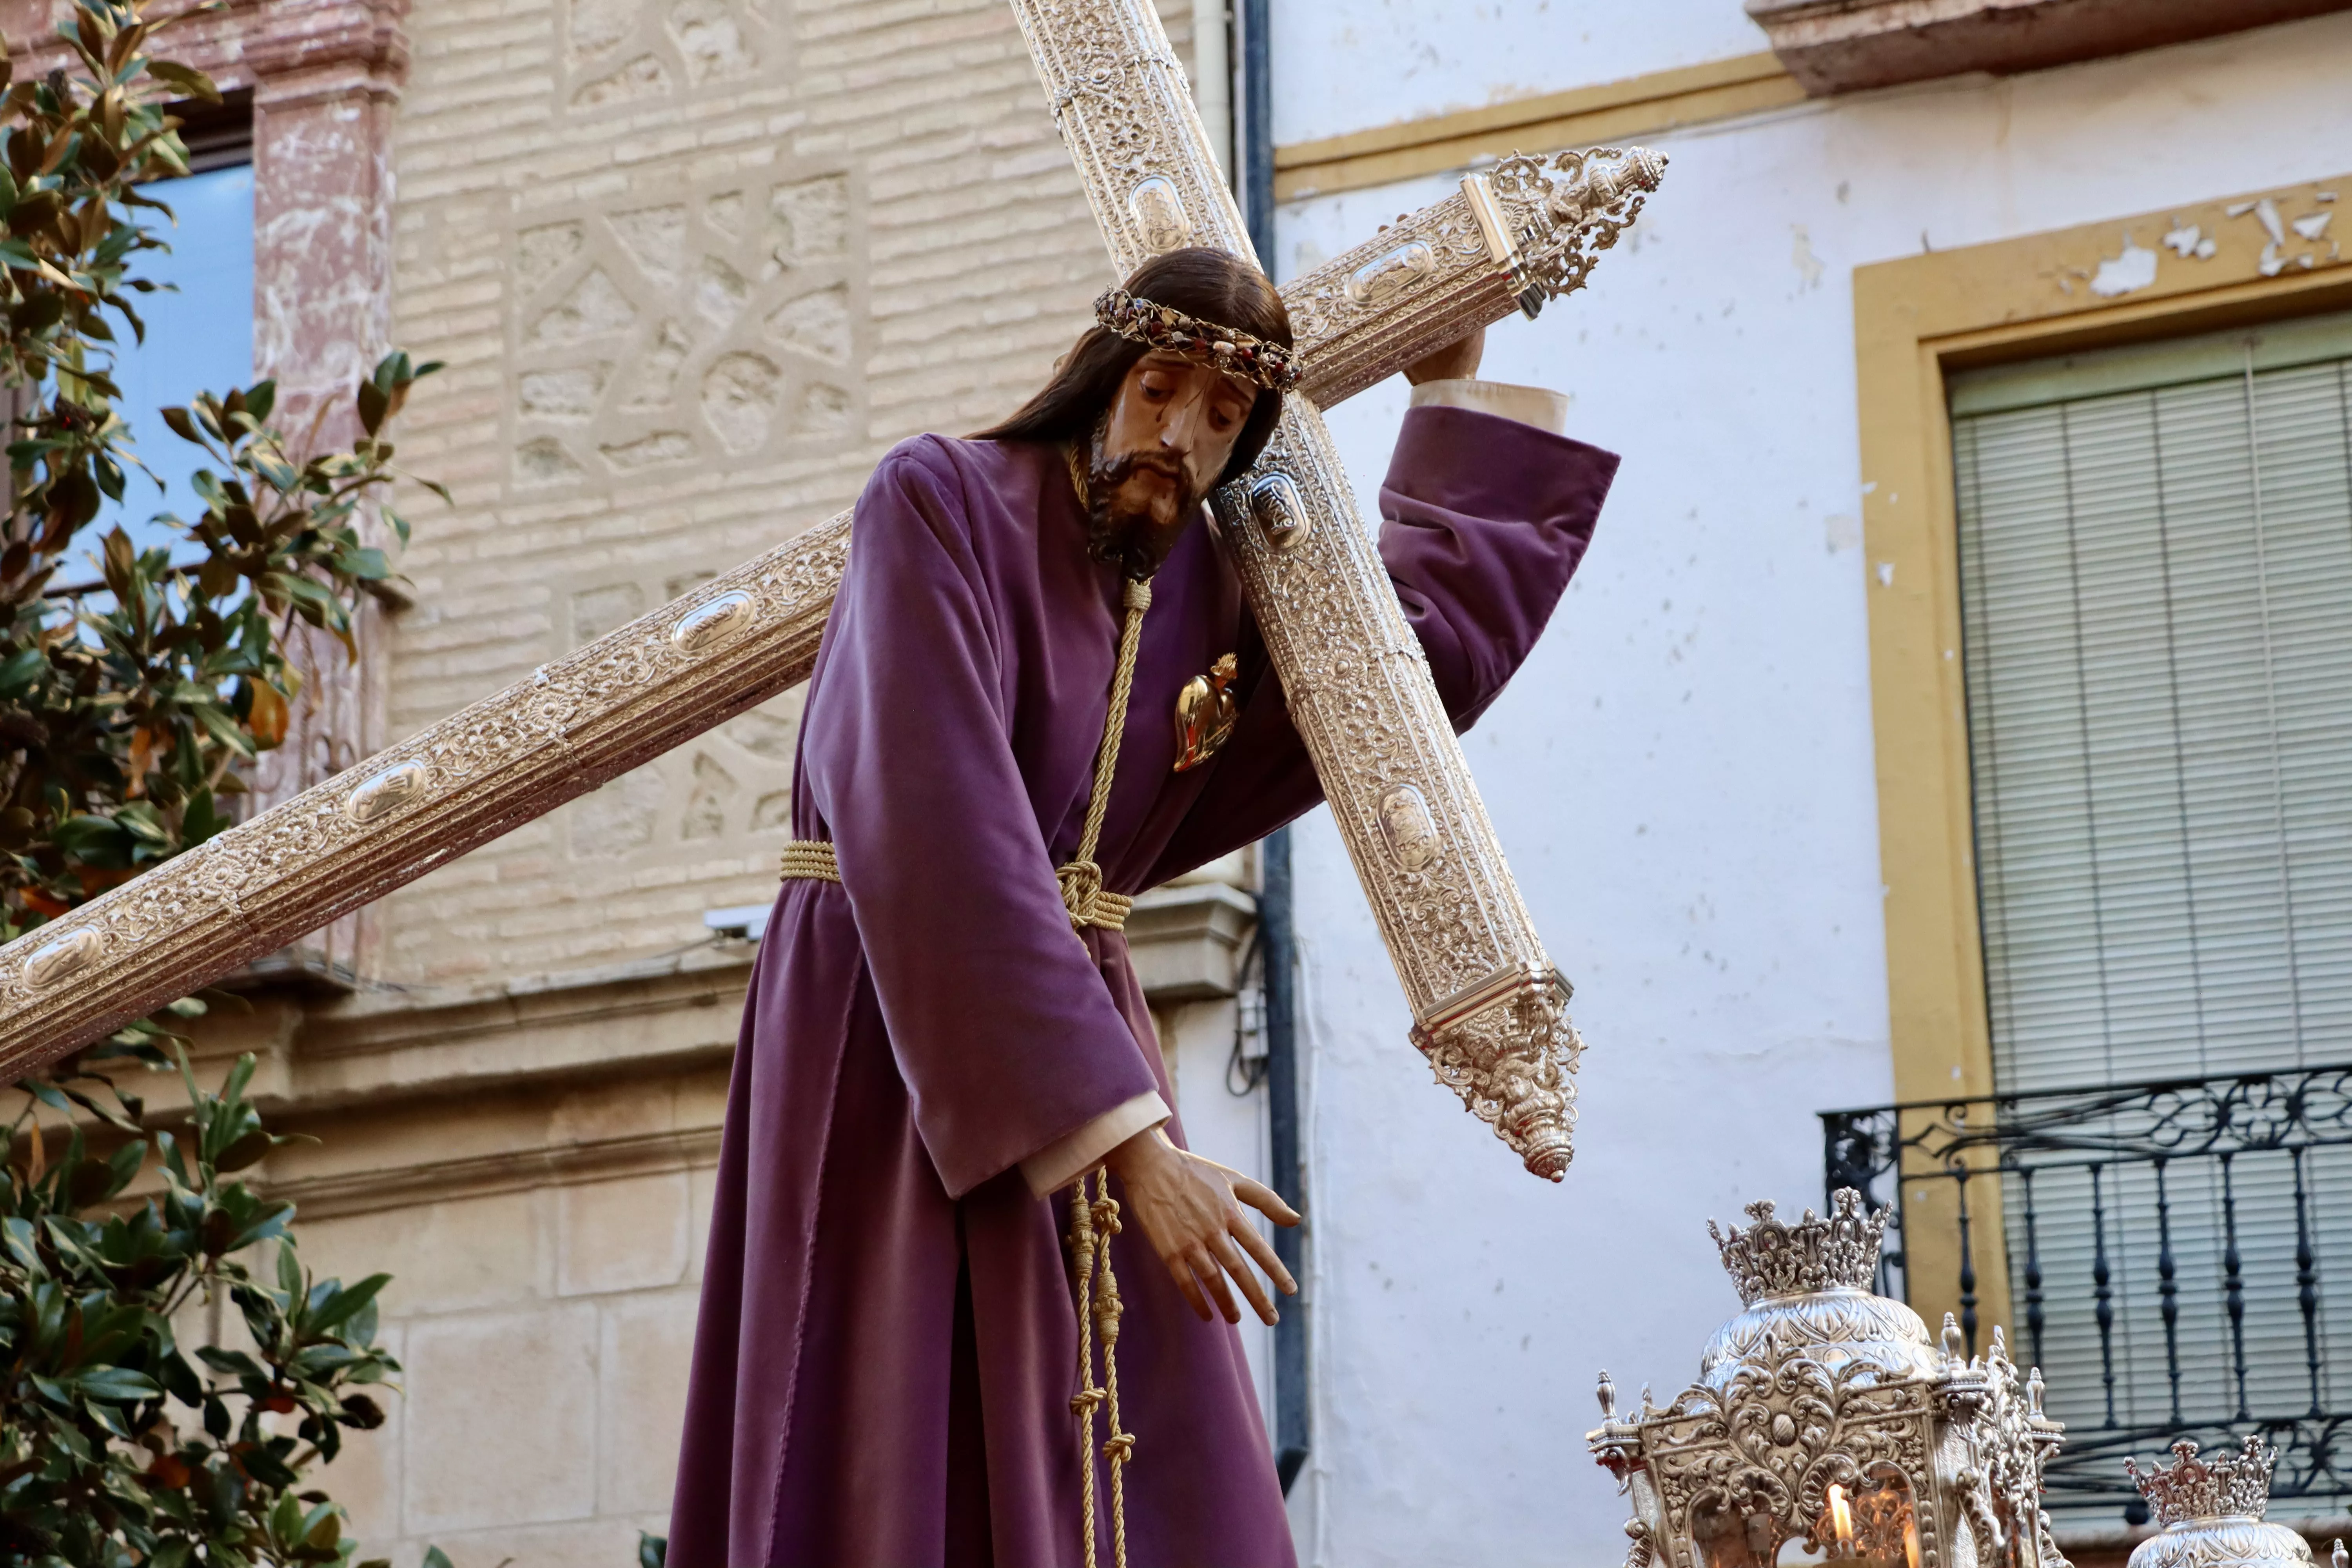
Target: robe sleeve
column 1066, row 1159
column 1003, row 1028
column 1484, row 521
column 1536, row 405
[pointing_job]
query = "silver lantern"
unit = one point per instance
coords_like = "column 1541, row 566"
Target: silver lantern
column 2210, row 1511
column 1825, row 1421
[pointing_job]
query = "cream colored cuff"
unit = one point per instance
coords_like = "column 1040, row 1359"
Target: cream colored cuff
column 1536, row 405
column 1066, row 1159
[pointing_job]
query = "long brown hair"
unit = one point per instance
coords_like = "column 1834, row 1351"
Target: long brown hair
column 1209, row 284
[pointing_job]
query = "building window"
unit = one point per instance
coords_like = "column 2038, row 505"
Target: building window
column 199, row 333
column 2155, row 560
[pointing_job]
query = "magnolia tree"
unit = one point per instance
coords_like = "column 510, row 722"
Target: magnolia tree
column 119, row 1445
column 136, row 681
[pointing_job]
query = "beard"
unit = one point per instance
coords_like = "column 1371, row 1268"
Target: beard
column 1135, row 537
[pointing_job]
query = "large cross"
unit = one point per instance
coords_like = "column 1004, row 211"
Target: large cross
column 1489, row 1009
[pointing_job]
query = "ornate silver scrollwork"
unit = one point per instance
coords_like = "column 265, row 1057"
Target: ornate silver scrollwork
column 1573, row 206
column 1824, row 1416
column 1505, row 1045
column 1350, row 667
column 2210, row 1511
column 1523, row 232
column 1355, row 682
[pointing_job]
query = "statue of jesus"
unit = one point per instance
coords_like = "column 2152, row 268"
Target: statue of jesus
column 1039, row 694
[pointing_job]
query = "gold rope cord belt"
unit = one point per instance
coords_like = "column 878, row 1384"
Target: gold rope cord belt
column 1094, row 1216
column 1083, row 894
column 812, row 860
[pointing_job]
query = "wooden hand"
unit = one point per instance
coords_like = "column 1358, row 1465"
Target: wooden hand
column 1456, row 361
column 1191, row 1209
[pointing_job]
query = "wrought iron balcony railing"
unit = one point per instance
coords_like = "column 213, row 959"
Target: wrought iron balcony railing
column 2173, row 1255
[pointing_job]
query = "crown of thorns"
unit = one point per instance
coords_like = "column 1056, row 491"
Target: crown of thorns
column 1171, row 330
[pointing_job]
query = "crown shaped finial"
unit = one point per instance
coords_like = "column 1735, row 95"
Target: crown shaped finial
column 2227, row 1485
column 1772, row 1257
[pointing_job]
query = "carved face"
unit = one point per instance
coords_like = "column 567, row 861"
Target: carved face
column 1172, row 428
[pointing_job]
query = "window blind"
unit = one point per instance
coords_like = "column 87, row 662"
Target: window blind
column 2155, row 565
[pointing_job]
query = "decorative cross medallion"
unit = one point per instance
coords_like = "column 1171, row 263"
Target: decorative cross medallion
column 1489, row 1007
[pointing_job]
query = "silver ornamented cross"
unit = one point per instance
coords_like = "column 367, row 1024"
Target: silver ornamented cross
column 1489, row 1009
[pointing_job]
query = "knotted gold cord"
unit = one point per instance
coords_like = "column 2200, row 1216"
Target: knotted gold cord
column 1081, row 879
column 1094, row 1220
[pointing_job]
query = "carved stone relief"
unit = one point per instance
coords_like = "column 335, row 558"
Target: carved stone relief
column 620, row 53
column 717, row 328
column 732, row 785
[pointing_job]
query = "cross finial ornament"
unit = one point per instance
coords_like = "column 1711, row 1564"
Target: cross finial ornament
column 1489, row 1009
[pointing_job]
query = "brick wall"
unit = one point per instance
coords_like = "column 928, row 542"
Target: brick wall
column 693, row 265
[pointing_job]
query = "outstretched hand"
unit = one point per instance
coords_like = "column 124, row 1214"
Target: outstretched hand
column 1190, row 1208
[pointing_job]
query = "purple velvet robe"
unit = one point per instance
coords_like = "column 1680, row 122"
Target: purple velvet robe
column 887, row 1342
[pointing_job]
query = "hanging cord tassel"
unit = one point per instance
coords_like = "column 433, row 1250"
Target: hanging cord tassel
column 1118, row 1444
column 1081, row 879
column 1094, row 1220
column 1081, row 1243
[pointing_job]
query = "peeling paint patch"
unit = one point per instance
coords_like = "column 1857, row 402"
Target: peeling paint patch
column 2314, row 225
column 2192, row 243
column 1886, row 573
column 1808, row 265
column 2135, row 268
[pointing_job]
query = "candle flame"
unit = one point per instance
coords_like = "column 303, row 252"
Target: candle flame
column 1841, row 1517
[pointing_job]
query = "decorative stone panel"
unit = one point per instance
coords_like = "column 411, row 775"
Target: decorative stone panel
column 718, row 324
column 618, row 52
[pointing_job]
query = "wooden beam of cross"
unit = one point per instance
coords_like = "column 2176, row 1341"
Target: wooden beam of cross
column 1529, row 229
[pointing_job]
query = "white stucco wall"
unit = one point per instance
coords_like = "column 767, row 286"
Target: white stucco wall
column 1349, row 65
column 1683, row 774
